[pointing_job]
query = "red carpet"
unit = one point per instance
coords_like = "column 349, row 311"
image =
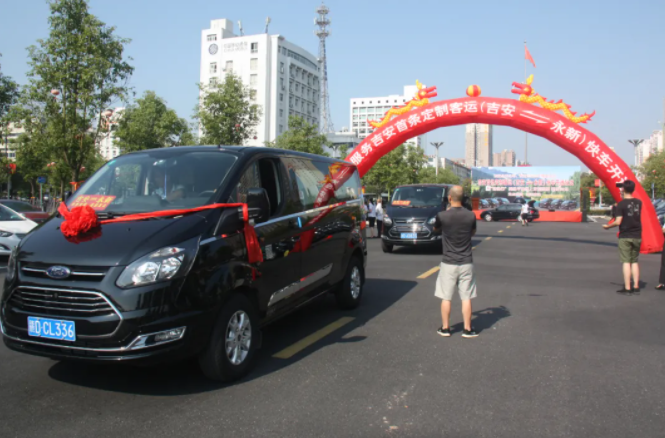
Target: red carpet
column 552, row 216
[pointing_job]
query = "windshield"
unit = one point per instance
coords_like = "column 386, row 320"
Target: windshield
column 21, row 207
column 419, row 196
column 8, row 215
column 155, row 180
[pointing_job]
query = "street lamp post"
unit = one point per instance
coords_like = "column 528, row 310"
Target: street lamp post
column 636, row 144
column 437, row 145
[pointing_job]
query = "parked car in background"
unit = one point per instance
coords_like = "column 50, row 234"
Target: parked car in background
column 556, row 204
column 484, row 204
column 503, row 201
column 569, row 205
column 545, row 203
column 13, row 227
column 26, row 209
column 508, row 212
column 493, row 202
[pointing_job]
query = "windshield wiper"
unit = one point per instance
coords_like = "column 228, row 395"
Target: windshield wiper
column 110, row 214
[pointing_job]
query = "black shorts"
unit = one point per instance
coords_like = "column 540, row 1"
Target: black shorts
column 525, row 215
column 371, row 222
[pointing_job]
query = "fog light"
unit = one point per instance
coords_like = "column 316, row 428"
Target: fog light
column 152, row 339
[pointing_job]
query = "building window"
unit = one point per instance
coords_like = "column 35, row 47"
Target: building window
column 281, row 113
column 355, row 110
column 229, row 66
column 255, row 48
column 252, row 94
column 281, row 128
column 253, row 79
column 213, row 68
column 281, row 80
column 213, row 81
column 254, row 64
column 212, row 37
column 281, row 97
column 281, row 67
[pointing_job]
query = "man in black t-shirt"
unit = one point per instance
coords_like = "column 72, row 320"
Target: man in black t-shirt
column 629, row 221
column 458, row 225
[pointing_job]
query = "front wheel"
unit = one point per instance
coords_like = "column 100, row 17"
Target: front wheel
column 231, row 351
column 487, row 217
column 386, row 247
column 350, row 291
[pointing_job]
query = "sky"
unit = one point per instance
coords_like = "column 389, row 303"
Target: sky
column 606, row 56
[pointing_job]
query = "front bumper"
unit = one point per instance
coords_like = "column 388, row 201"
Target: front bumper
column 109, row 322
column 425, row 235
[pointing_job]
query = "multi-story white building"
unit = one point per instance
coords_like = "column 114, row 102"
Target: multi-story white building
column 341, row 141
column 106, row 143
column 374, row 108
column 8, row 138
column 283, row 78
column 648, row 147
column 479, row 145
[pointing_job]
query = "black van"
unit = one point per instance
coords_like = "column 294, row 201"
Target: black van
column 167, row 288
column 409, row 218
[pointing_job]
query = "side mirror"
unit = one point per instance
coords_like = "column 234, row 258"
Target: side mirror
column 258, row 204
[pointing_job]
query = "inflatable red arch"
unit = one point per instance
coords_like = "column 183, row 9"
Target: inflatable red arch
column 417, row 119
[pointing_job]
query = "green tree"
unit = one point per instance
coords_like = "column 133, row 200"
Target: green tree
column 301, row 137
column 76, row 73
column 225, row 113
column 150, row 124
column 653, row 172
column 446, row 176
column 9, row 93
column 400, row 166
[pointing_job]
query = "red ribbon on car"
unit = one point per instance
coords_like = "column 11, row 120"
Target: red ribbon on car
column 83, row 219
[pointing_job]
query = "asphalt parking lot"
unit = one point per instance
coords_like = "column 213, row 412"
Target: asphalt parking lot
column 560, row 354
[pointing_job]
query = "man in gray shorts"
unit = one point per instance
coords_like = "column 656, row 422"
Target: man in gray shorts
column 458, row 225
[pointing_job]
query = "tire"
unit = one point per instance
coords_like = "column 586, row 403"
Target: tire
column 487, row 217
column 215, row 362
column 386, row 247
column 530, row 220
column 350, row 292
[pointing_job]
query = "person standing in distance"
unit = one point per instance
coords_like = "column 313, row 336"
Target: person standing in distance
column 379, row 216
column 372, row 217
column 525, row 214
column 629, row 221
column 458, row 225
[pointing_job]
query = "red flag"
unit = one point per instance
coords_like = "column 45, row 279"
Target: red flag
column 528, row 56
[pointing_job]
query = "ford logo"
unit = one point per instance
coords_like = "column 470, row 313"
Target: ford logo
column 58, row 272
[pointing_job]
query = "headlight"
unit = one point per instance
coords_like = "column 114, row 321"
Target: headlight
column 387, row 220
column 11, row 264
column 431, row 220
column 164, row 264
column 4, row 233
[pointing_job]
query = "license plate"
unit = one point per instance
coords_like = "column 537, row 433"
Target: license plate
column 51, row 328
column 409, row 235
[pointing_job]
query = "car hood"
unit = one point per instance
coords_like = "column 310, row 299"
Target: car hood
column 399, row 212
column 119, row 243
column 20, row 227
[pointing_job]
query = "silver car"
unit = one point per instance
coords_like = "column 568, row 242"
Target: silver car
column 13, row 227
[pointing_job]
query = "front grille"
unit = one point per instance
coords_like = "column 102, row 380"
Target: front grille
column 408, row 222
column 60, row 302
column 78, row 273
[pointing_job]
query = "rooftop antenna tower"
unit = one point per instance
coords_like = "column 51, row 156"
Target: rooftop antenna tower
column 240, row 28
column 267, row 24
column 323, row 32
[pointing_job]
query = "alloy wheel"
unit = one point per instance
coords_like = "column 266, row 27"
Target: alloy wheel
column 238, row 337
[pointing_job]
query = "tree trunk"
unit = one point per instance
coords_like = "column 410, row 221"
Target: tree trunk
column 32, row 189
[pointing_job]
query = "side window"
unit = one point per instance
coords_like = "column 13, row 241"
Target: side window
column 310, row 177
column 351, row 188
column 250, row 179
column 264, row 173
column 502, row 208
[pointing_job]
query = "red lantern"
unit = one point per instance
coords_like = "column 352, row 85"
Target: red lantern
column 55, row 92
column 473, row 91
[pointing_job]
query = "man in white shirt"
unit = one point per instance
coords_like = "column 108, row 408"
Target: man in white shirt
column 525, row 214
column 379, row 216
column 372, row 217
